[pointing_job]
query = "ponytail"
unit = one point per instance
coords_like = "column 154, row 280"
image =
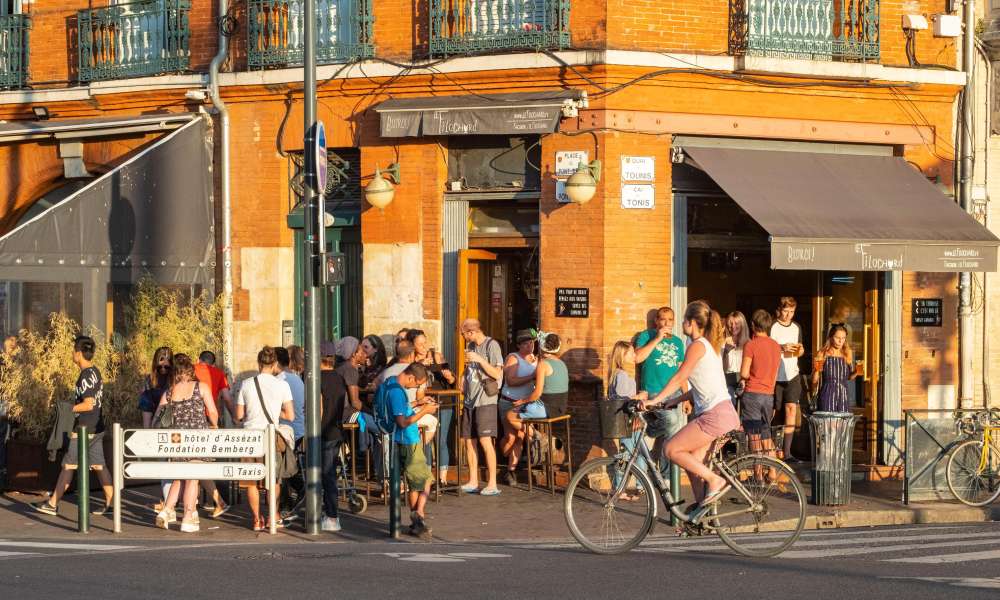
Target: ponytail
column 715, row 332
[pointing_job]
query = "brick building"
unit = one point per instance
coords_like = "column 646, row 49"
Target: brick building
column 486, row 107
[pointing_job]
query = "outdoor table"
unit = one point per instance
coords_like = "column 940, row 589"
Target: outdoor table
column 447, row 399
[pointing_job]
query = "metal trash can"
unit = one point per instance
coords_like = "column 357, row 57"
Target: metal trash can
column 832, row 434
column 614, row 421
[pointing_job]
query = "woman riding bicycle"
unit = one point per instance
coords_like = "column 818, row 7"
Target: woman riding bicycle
column 714, row 413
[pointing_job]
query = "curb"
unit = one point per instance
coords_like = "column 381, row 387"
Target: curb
column 844, row 519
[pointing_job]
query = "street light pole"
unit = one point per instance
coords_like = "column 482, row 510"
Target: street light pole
column 315, row 240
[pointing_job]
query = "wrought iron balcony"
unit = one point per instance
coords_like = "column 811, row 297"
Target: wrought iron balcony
column 14, row 51
column 845, row 30
column 462, row 27
column 134, row 39
column 276, row 37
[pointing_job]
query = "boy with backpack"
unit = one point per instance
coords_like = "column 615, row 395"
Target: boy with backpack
column 395, row 416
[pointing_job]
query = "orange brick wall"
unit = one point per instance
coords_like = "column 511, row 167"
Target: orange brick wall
column 669, row 25
column 204, row 33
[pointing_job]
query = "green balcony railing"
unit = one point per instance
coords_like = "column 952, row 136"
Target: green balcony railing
column 14, row 51
column 846, row 30
column 275, row 36
column 134, row 39
column 463, row 27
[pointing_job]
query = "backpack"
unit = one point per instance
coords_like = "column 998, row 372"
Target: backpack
column 382, row 407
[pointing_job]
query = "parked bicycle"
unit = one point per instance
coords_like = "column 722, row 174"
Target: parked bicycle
column 761, row 515
column 974, row 466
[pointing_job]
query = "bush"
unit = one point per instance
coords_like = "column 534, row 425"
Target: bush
column 41, row 371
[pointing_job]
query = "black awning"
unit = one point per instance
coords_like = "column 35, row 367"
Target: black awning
column 489, row 114
column 153, row 213
column 848, row 212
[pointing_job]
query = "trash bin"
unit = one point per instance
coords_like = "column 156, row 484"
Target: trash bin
column 614, row 421
column 832, row 434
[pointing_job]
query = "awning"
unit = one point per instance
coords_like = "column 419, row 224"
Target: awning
column 94, row 127
column 851, row 213
column 489, row 114
column 152, row 214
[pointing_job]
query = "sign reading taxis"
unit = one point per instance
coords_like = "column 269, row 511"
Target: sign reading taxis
column 196, row 443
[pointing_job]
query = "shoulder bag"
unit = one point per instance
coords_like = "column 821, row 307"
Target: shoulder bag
column 164, row 418
column 490, row 385
column 287, row 466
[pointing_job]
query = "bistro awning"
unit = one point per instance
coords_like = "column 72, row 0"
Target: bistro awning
column 849, row 212
column 518, row 113
column 151, row 214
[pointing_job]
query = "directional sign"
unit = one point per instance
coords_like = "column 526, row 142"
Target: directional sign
column 194, row 443
column 215, row 471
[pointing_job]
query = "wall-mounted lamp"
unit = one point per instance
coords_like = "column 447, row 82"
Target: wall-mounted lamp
column 582, row 185
column 41, row 113
column 380, row 191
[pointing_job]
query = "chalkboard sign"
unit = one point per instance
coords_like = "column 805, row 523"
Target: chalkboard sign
column 573, row 302
column 927, row 312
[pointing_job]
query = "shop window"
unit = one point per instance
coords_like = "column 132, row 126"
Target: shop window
column 28, row 304
column 494, row 163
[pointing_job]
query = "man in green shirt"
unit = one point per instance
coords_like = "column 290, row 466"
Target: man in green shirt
column 659, row 354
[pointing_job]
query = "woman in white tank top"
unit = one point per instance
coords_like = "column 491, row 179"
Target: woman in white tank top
column 714, row 413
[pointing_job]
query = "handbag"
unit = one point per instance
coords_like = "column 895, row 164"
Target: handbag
column 287, row 466
column 164, row 418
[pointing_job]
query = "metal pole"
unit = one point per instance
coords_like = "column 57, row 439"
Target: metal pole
column 116, row 475
column 394, row 500
column 269, row 471
column 314, row 236
column 82, row 482
column 965, row 324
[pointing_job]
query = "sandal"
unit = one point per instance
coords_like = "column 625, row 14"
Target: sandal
column 258, row 524
column 715, row 496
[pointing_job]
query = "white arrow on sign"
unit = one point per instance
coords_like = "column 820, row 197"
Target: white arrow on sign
column 216, row 471
column 194, row 443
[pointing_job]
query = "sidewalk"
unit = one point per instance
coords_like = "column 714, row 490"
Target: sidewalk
column 515, row 515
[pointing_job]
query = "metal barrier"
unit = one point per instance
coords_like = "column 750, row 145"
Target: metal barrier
column 930, row 435
column 83, row 481
column 165, row 444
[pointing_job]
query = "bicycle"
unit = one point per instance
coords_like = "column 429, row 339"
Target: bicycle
column 761, row 515
column 973, row 472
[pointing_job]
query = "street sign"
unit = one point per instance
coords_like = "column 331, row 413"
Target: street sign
column 638, row 168
column 194, row 443
column 316, row 158
column 211, row 471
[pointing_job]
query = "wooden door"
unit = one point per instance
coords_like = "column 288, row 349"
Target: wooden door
column 474, row 277
column 872, row 372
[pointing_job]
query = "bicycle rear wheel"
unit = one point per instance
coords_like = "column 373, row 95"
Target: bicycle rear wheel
column 971, row 480
column 771, row 519
column 599, row 519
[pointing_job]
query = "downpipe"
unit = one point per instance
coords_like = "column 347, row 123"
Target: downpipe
column 965, row 323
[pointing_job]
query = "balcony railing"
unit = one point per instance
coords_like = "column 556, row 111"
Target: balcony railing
column 13, row 51
column 846, row 30
column 462, row 27
column 135, row 39
column 276, row 37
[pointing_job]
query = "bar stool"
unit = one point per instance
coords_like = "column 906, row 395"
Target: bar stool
column 546, row 426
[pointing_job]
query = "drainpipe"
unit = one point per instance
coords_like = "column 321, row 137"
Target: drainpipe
column 227, row 226
column 965, row 324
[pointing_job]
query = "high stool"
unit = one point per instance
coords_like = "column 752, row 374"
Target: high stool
column 546, row 427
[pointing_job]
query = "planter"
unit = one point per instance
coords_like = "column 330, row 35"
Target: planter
column 29, row 468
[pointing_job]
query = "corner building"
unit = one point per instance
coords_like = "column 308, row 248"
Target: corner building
column 747, row 150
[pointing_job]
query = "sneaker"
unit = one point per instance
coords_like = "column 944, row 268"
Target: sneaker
column 470, row 489
column 420, row 529
column 490, row 492
column 165, row 517
column 218, row 511
column 191, row 526
column 105, row 510
column 45, row 507
column 510, row 478
column 331, row 525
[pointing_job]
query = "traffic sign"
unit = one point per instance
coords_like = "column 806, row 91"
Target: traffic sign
column 316, row 158
column 194, row 443
column 209, row 471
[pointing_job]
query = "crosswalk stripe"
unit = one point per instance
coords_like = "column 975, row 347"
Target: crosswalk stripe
column 950, row 558
column 56, row 546
column 883, row 549
column 5, row 553
column 856, row 540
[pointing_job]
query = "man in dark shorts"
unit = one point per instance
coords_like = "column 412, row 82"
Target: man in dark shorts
column 87, row 407
column 480, row 384
column 761, row 357
column 788, row 389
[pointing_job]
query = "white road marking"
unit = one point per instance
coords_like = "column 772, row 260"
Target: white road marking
column 848, row 541
column 881, row 549
column 60, row 546
column 5, row 553
column 950, row 558
column 972, row 582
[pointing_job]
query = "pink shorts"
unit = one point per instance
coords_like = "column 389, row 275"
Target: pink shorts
column 718, row 420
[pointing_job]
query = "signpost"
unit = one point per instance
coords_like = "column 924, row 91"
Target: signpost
column 165, row 444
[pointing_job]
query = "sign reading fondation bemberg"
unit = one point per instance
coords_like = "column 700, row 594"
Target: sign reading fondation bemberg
column 846, row 255
column 197, row 443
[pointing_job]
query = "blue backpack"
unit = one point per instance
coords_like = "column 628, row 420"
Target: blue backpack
column 382, row 407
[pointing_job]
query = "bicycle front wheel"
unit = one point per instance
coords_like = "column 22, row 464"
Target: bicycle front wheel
column 770, row 517
column 601, row 520
column 974, row 476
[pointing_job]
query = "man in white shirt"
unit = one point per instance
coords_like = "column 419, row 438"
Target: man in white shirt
column 261, row 393
column 788, row 387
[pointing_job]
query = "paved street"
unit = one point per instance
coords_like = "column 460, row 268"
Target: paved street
column 914, row 562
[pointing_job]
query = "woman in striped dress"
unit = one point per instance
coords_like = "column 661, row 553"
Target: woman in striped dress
column 835, row 363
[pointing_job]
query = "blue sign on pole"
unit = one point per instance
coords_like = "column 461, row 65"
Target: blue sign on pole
column 316, row 158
